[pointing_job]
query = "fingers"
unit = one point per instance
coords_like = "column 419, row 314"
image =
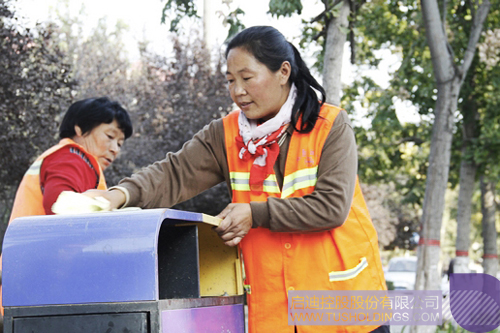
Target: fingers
column 224, row 225
column 228, row 236
column 225, row 211
column 233, row 242
column 116, row 198
column 237, row 221
column 227, row 220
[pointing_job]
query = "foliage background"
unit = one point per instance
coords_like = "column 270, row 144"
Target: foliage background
column 170, row 97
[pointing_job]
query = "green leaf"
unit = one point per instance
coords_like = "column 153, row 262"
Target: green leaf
column 234, row 22
column 335, row 10
column 285, row 8
column 344, row 30
column 178, row 9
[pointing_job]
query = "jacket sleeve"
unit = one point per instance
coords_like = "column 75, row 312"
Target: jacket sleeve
column 199, row 165
column 65, row 171
column 329, row 205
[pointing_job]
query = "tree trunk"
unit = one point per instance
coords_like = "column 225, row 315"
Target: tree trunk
column 334, row 51
column 208, row 14
column 429, row 250
column 449, row 80
column 437, row 180
column 490, row 256
column 467, row 181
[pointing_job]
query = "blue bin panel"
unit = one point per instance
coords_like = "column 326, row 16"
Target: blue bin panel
column 100, row 257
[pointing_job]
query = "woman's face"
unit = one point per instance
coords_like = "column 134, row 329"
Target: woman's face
column 103, row 142
column 257, row 91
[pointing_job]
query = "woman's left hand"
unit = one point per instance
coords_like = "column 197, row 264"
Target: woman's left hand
column 236, row 222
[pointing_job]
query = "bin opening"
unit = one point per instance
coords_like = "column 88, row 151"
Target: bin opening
column 194, row 262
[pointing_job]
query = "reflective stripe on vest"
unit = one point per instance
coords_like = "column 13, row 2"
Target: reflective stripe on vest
column 298, row 180
column 240, row 182
column 35, row 168
column 350, row 273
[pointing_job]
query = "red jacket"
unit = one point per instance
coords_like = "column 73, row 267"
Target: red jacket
column 29, row 196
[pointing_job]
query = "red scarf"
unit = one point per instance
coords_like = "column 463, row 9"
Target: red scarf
column 269, row 144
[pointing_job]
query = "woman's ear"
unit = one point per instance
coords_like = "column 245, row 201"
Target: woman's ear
column 285, row 72
column 78, row 131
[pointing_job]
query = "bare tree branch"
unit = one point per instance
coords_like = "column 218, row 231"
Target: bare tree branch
column 327, row 9
column 458, row 71
column 352, row 23
column 441, row 58
column 320, row 34
column 475, row 33
column 414, row 139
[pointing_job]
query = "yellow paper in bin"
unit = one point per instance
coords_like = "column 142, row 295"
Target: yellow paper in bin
column 220, row 266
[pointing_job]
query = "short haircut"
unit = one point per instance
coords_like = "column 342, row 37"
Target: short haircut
column 92, row 112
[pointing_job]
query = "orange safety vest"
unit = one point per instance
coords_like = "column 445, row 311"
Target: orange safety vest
column 29, row 197
column 344, row 258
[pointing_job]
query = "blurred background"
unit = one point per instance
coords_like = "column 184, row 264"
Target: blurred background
column 163, row 60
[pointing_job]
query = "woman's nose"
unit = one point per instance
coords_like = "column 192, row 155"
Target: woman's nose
column 115, row 148
column 239, row 90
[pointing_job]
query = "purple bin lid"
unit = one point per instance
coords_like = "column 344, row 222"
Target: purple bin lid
column 87, row 258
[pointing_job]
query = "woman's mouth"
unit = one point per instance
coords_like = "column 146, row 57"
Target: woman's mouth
column 107, row 161
column 246, row 105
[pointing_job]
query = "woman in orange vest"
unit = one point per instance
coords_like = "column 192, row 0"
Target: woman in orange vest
column 290, row 163
column 92, row 133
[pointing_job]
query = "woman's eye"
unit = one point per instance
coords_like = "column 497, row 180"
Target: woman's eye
column 246, row 78
column 110, row 137
column 230, row 81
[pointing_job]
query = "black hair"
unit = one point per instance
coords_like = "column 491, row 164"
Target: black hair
column 92, row 112
column 271, row 48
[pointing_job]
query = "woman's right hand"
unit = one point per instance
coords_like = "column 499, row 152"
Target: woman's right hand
column 115, row 197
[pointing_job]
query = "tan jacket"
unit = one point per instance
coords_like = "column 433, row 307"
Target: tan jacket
column 202, row 164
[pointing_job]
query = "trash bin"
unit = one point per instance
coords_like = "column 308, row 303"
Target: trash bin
column 158, row 270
